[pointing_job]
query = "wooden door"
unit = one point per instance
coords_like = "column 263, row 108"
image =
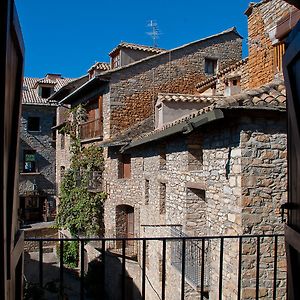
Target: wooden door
column 130, row 226
column 291, row 66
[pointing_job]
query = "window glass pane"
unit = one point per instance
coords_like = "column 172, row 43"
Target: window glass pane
column 29, row 161
column 33, row 124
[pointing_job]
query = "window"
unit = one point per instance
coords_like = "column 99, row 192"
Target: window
column 29, row 161
column 116, row 61
column 33, row 124
column 146, row 191
column 45, row 91
column 124, row 166
column 62, row 171
column 211, row 66
column 162, row 198
column 162, row 157
column 62, row 141
column 232, row 86
column 53, row 130
column 195, row 156
column 279, row 50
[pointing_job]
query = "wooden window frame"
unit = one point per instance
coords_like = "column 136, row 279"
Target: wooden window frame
column 124, row 166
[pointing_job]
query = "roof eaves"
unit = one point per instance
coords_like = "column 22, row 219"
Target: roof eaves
column 71, row 83
column 249, row 10
column 182, row 127
column 82, row 87
column 208, row 82
column 230, row 30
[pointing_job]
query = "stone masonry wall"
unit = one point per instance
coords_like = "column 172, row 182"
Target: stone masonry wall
column 133, row 90
column 261, row 22
column 42, row 142
column 264, row 189
column 218, row 203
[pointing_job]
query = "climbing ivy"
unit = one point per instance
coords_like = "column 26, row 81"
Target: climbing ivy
column 80, row 210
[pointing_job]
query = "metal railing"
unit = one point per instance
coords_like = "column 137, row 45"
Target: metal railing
column 231, row 265
column 95, row 181
column 91, row 129
column 196, row 257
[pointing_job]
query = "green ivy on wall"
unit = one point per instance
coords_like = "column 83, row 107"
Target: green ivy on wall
column 80, row 210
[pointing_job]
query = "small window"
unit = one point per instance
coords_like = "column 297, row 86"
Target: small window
column 62, row 171
column 116, row 61
column 195, row 156
column 279, row 51
column 162, row 198
column 33, row 124
column 162, row 157
column 124, row 166
column 146, row 191
column 211, row 66
column 29, row 160
column 53, row 130
column 45, row 91
column 62, row 141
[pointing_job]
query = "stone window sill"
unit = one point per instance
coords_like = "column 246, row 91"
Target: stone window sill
column 30, row 173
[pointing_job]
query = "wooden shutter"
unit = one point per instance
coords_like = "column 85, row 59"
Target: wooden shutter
column 291, row 66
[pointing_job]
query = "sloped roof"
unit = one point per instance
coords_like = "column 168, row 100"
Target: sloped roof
column 102, row 66
column 104, row 76
column 137, row 47
column 212, row 80
column 170, row 97
column 30, row 89
column 271, row 96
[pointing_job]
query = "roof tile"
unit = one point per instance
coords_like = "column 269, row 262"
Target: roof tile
column 30, row 90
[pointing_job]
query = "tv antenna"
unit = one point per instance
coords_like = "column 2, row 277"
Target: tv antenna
column 154, row 33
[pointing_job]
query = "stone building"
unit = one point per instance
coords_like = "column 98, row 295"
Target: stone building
column 195, row 144
column 214, row 164
column 122, row 94
column 37, row 148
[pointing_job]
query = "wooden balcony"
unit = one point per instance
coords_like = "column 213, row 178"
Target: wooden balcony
column 91, row 129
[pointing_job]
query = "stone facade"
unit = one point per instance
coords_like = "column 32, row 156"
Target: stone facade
column 237, row 189
column 41, row 182
column 133, row 90
column 262, row 19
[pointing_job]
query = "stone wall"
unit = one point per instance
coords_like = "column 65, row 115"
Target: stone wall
column 44, row 145
column 262, row 19
column 133, row 90
column 210, row 200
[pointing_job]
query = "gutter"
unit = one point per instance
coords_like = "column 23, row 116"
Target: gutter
column 184, row 128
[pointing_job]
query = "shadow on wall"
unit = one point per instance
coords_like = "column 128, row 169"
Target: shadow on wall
column 94, row 285
column 109, row 281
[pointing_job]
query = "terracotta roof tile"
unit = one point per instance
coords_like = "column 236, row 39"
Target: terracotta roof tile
column 137, row 47
column 212, row 80
column 30, row 89
column 270, row 96
column 169, row 97
column 102, row 66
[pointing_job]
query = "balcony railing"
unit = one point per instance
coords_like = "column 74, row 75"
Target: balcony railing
column 91, row 129
column 218, row 267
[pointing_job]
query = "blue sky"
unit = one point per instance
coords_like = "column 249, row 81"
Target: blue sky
column 68, row 36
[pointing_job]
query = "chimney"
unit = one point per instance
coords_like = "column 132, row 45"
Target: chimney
column 52, row 76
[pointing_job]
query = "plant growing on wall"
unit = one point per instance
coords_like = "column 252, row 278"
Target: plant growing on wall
column 80, row 210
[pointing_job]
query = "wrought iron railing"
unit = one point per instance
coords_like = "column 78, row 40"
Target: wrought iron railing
column 95, row 181
column 91, row 129
column 234, row 267
column 196, row 258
